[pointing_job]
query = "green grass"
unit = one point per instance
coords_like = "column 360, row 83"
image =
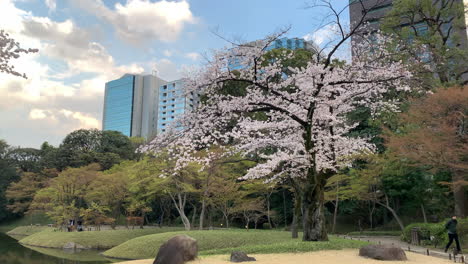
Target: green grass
column 27, row 230
column 375, row 233
column 225, row 241
column 34, row 219
column 90, row 239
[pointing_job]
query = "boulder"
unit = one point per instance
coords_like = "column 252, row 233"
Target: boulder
column 383, row 252
column 239, row 256
column 177, row 250
column 73, row 245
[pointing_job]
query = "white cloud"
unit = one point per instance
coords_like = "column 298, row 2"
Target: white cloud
column 326, row 37
column 45, row 106
column 193, row 56
column 39, row 114
column 167, row 53
column 323, row 35
column 51, row 4
column 54, row 116
column 138, row 21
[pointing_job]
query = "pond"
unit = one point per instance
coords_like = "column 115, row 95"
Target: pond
column 12, row 252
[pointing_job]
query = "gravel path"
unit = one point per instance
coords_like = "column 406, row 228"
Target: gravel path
column 347, row 256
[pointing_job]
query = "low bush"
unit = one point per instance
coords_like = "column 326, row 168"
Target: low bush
column 434, row 234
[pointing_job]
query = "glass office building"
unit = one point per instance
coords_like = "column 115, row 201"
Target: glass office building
column 173, row 102
column 283, row 43
column 129, row 104
column 118, row 105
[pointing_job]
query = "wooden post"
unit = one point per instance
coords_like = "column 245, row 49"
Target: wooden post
column 427, row 251
column 409, row 248
column 450, row 256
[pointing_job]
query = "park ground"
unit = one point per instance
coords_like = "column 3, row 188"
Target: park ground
column 348, row 256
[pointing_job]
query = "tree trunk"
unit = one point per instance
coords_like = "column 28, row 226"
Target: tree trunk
column 268, row 210
column 284, row 210
column 313, row 218
column 335, row 213
column 371, row 215
column 180, row 206
column 423, row 213
column 194, row 215
column 395, row 215
column 202, row 214
column 296, row 215
column 459, row 195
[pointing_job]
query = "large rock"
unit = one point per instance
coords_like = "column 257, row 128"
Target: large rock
column 177, row 250
column 239, row 256
column 73, row 245
column 383, row 252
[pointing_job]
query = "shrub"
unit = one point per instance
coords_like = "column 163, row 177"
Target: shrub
column 436, row 231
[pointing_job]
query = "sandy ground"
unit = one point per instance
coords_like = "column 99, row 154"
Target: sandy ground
column 322, row 257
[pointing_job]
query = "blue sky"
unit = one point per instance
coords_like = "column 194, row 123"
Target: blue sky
column 84, row 43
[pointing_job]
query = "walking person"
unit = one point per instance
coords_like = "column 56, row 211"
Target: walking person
column 451, row 228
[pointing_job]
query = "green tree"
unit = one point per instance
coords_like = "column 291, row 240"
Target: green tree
column 8, row 174
column 20, row 194
column 433, row 31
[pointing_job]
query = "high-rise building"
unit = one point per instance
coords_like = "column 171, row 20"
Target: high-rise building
column 293, row 44
column 282, row 43
column 173, row 102
column 129, row 104
column 377, row 9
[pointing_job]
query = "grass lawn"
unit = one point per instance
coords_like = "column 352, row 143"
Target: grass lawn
column 27, row 230
column 214, row 242
column 90, row 239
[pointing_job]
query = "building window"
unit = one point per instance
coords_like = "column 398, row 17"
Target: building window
column 165, row 87
column 164, row 94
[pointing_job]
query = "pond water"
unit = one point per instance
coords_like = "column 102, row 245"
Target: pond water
column 12, row 252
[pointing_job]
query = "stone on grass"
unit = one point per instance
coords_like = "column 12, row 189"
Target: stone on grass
column 73, row 245
column 383, row 252
column 239, row 256
column 177, row 250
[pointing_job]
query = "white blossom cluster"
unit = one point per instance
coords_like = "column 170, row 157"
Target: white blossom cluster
column 291, row 123
column 10, row 49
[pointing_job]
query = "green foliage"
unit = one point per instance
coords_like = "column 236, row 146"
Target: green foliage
column 225, row 241
column 20, row 194
column 440, row 46
column 437, row 232
column 8, row 174
column 83, row 147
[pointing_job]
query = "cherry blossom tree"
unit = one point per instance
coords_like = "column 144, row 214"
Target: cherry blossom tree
column 10, row 49
column 293, row 119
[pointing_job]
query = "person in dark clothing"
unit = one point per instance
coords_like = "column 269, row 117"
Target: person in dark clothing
column 451, row 227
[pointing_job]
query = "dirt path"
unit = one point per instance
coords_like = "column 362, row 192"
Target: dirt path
column 323, row 257
column 393, row 240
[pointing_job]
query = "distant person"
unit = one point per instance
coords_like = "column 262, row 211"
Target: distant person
column 80, row 226
column 451, row 227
